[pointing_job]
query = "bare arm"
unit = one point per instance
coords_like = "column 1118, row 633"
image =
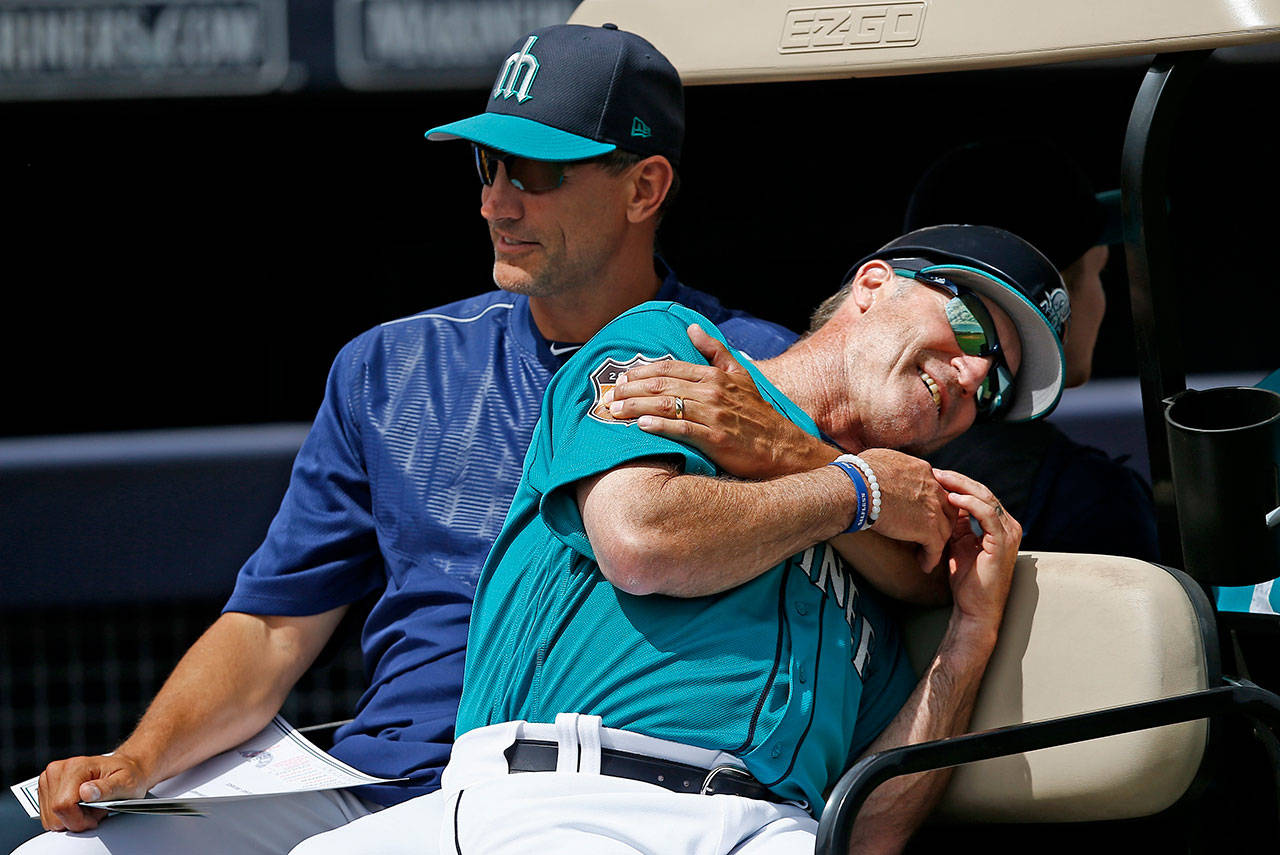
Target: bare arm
column 726, row 418
column 224, row 690
column 892, row 567
column 655, row 530
column 942, row 703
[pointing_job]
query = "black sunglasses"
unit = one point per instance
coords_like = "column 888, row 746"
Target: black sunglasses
column 975, row 332
column 531, row 176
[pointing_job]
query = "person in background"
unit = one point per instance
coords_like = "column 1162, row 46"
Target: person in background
column 1069, row 497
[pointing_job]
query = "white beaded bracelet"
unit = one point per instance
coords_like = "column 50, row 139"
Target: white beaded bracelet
column 865, row 469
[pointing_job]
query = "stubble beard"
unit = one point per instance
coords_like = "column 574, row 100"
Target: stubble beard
column 552, row 277
column 894, row 418
column 515, row 280
column 536, row 281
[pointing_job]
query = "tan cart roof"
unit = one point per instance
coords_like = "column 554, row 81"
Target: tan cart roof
column 738, row 41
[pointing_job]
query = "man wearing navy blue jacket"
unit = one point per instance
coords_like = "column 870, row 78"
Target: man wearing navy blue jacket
column 406, row 476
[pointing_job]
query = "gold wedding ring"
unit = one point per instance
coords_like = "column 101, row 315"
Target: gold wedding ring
column 679, row 407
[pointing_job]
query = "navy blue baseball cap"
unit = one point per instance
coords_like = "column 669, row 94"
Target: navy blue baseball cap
column 1018, row 278
column 570, row 92
column 1025, row 184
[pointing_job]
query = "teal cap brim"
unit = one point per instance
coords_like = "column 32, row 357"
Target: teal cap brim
column 521, row 137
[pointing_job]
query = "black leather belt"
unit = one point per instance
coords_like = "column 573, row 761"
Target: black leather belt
column 538, row 755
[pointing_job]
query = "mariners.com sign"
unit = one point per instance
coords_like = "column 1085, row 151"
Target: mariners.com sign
column 122, row 48
column 52, row 49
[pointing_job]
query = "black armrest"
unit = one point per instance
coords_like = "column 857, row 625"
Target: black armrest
column 861, row 779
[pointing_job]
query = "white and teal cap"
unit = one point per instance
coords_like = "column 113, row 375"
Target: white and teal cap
column 570, row 92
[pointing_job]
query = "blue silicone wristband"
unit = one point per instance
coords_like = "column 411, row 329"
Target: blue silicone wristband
column 860, row 485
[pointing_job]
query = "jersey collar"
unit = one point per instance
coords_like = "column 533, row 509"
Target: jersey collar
column 530, row 340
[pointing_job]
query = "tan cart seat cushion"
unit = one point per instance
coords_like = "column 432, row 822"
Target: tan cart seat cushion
column 1081, row 633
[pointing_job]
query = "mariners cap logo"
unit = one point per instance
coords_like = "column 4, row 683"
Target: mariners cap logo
column 605, row 377
column 1056, row 306
column 520, row 68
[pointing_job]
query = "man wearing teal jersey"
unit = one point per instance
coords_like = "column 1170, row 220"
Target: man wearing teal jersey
column 601, row 645
column 687, row 662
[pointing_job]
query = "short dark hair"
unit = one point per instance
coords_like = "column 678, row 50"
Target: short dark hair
column 619, row 160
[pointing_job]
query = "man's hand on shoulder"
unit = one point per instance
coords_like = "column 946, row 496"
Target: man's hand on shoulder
column 66, row 783
column 724, row 415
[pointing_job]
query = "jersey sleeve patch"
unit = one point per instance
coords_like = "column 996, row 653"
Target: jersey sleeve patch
column 604, row 377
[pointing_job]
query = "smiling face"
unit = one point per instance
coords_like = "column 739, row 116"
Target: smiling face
column 913, row 387
column 553, row 242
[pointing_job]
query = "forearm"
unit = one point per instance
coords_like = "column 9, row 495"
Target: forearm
column 794, row 453
column 657, row 531
column 892, row 567
column 225, row 689
column 940, row 706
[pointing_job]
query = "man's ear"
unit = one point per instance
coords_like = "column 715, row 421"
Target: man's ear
column 650, row 181
column 869, row 281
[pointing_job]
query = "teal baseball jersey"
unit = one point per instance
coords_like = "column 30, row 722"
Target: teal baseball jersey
column 794, row 672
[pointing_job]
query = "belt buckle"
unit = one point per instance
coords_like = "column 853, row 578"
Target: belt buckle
column 709, row 781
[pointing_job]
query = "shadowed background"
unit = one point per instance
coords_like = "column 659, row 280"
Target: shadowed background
column 196, row 262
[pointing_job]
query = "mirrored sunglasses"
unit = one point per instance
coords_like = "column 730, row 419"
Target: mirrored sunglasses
column 532, row 176
column 975, row 333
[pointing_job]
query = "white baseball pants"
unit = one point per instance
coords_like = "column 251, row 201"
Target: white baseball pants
column 483, row 808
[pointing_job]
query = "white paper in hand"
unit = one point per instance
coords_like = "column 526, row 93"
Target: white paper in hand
column 278, row 760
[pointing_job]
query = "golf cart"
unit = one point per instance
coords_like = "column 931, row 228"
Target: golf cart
column 1115, row 713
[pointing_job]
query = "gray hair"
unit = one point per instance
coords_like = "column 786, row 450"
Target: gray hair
column 827, row 308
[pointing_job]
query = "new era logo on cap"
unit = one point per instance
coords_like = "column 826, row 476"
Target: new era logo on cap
column 639, row 128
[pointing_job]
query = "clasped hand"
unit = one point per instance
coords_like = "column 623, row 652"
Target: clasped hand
column 723, row 415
